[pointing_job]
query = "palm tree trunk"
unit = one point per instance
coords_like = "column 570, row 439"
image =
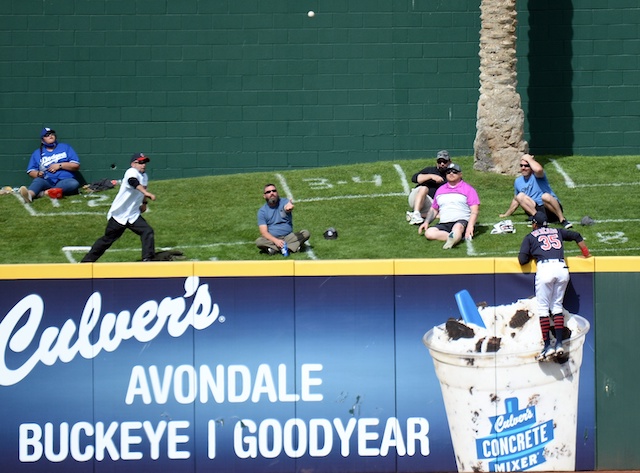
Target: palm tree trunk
column 499, row 139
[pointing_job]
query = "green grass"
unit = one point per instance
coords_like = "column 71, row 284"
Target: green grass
column 214, row 218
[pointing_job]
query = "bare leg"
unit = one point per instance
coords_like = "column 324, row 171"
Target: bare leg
column 527, row 203
column 434, row 233
column 456, row 233
column 420, row 196
column 552, row 204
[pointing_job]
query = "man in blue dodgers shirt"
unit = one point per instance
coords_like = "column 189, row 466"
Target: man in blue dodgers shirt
column 52, row 165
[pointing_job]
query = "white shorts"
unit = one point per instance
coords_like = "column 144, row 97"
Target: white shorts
column 427, row 200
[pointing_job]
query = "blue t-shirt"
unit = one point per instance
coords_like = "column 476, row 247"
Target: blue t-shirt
column 534, row 187
column 41, row 160
column 278, row 221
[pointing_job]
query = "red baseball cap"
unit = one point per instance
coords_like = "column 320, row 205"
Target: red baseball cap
column 139, row 158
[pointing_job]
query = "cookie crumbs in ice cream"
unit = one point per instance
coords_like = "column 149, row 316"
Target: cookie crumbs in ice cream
column 456, row 329
column 510, row 328
column 520, row 318
column 488, row 345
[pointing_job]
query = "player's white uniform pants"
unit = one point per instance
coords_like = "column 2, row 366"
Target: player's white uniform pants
column 552, row 279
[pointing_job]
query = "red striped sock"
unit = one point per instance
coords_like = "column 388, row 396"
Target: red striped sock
column 545, row 325
column 558, row 325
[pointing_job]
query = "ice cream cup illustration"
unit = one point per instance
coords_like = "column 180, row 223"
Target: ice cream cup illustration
column 506, row 411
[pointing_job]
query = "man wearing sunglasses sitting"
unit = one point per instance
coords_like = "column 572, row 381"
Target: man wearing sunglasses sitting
column 427, row 182
column 53, row 165
column 275, row 222
column 533, row 193
column 457, row 205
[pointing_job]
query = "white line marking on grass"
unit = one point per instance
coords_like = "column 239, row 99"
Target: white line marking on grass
column 403, row 179
column 567, row 180
column 29, row 208
column 377, row 180
column 54, row 202
column 470, row 249
column 609, row 220
column 500, row 253
column 567, row 252
column 619, row 220
column 608, row 250
column 613, row 184
column 68, row 250
column 59, row 214
column 285, row 186
column 25, row 205
column 338, row 197
column 309, row 251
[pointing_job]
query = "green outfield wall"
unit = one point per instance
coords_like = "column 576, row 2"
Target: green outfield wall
column 617, row 300
column 215, row 87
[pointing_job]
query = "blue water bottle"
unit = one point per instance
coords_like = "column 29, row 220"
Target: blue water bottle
column 285, row 249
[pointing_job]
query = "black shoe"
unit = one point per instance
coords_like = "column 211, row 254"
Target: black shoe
column 566, row 224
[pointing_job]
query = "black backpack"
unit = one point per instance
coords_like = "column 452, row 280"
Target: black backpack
column 101, row 185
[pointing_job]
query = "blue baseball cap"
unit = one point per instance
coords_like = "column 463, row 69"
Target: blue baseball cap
column 47, row 131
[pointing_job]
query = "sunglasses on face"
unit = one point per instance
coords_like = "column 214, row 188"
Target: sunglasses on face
column 452, row 171
column 442, row 161
column 48, row 134
column 525, row 166
column 271, row 191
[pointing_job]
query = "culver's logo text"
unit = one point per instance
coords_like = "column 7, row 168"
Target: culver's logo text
column 20, row 326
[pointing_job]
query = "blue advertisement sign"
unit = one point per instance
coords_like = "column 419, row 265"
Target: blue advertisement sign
column 256, row 373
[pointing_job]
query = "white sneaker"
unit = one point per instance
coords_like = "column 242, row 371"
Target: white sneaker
column 416, row 218
column 450, row 242
column 546, row 354
column 24, row 192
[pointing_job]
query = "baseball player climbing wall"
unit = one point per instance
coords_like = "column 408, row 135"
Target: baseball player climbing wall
column 545, row 245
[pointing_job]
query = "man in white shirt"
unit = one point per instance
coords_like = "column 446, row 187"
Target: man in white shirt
column 125, row 212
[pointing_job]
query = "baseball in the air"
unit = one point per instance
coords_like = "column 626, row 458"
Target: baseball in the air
column 311, row 14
